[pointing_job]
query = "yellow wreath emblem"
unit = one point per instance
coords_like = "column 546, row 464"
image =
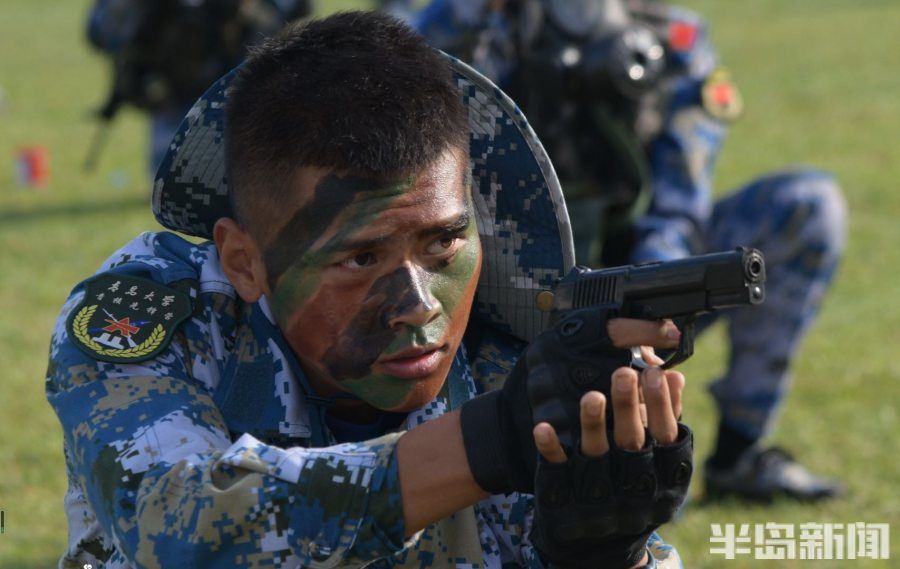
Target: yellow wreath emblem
column 80, row 329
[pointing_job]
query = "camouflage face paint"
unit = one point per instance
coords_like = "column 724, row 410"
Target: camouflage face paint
column 378, row 301
column 370, row 332
column 293, row 259
column 333, row 195
column 440, row 294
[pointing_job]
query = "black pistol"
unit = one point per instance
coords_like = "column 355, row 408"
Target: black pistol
column 679, row 290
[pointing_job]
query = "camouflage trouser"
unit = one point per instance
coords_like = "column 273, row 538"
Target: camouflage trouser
column 797, row 219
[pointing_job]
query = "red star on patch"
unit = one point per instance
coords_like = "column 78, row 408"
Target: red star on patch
column 723, row 94
column 123, row 326
column 682, row 36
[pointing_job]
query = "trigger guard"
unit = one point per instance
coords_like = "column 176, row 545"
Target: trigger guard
column 637, row 360
column 672, row 359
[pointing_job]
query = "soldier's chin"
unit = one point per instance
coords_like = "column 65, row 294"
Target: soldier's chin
column 422, row 392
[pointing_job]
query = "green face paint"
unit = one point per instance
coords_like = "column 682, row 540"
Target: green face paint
column 292, row 263
column 379, row 309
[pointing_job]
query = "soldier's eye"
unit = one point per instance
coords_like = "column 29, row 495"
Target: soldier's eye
column 444, row 245
column 359, row 261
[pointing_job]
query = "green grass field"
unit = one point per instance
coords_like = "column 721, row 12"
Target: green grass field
column 821, row 83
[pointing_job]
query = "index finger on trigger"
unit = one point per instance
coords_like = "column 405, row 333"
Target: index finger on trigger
column 628, row 332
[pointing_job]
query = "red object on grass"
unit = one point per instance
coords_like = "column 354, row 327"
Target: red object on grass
column 33, row 166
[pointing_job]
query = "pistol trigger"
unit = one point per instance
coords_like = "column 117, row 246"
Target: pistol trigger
column 637, row 360
column 685, row 346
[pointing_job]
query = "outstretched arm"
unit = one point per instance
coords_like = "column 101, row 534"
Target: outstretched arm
column 149, row 450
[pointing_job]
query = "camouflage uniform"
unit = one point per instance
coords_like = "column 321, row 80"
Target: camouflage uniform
column 215, row 451
column 795, row 217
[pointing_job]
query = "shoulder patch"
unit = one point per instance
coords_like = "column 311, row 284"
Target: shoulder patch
column 721, row 97
column 126, row 319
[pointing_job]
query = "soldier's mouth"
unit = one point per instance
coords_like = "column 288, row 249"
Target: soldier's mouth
column 415, row 362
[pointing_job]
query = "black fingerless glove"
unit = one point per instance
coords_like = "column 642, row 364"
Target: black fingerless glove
column 546, row 384
column 496, row 429
column 576, row 357
column 599, row 512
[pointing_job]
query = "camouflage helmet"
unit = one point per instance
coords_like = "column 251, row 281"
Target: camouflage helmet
column 521, row 216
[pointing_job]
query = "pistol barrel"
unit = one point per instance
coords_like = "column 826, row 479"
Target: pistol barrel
column 668, row 289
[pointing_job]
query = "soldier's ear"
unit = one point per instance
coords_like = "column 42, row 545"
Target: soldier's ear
column 241, row 259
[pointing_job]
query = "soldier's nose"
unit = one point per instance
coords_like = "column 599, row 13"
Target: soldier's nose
column 416, row 306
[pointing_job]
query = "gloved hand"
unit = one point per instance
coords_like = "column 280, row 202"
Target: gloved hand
column 598, row 506
column 576, row 355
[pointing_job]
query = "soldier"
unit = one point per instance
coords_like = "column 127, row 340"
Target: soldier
column 166, row 52
column 333, row 379
column 632, row 105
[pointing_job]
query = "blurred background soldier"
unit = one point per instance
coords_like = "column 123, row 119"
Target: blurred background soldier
column 633, row 107
column 164, row 53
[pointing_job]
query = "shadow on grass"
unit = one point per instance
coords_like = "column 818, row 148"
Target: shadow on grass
column 23, row 215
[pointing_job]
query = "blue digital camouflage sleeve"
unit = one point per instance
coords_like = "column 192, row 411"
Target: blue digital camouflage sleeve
column 151, row 454
column 682, row 159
